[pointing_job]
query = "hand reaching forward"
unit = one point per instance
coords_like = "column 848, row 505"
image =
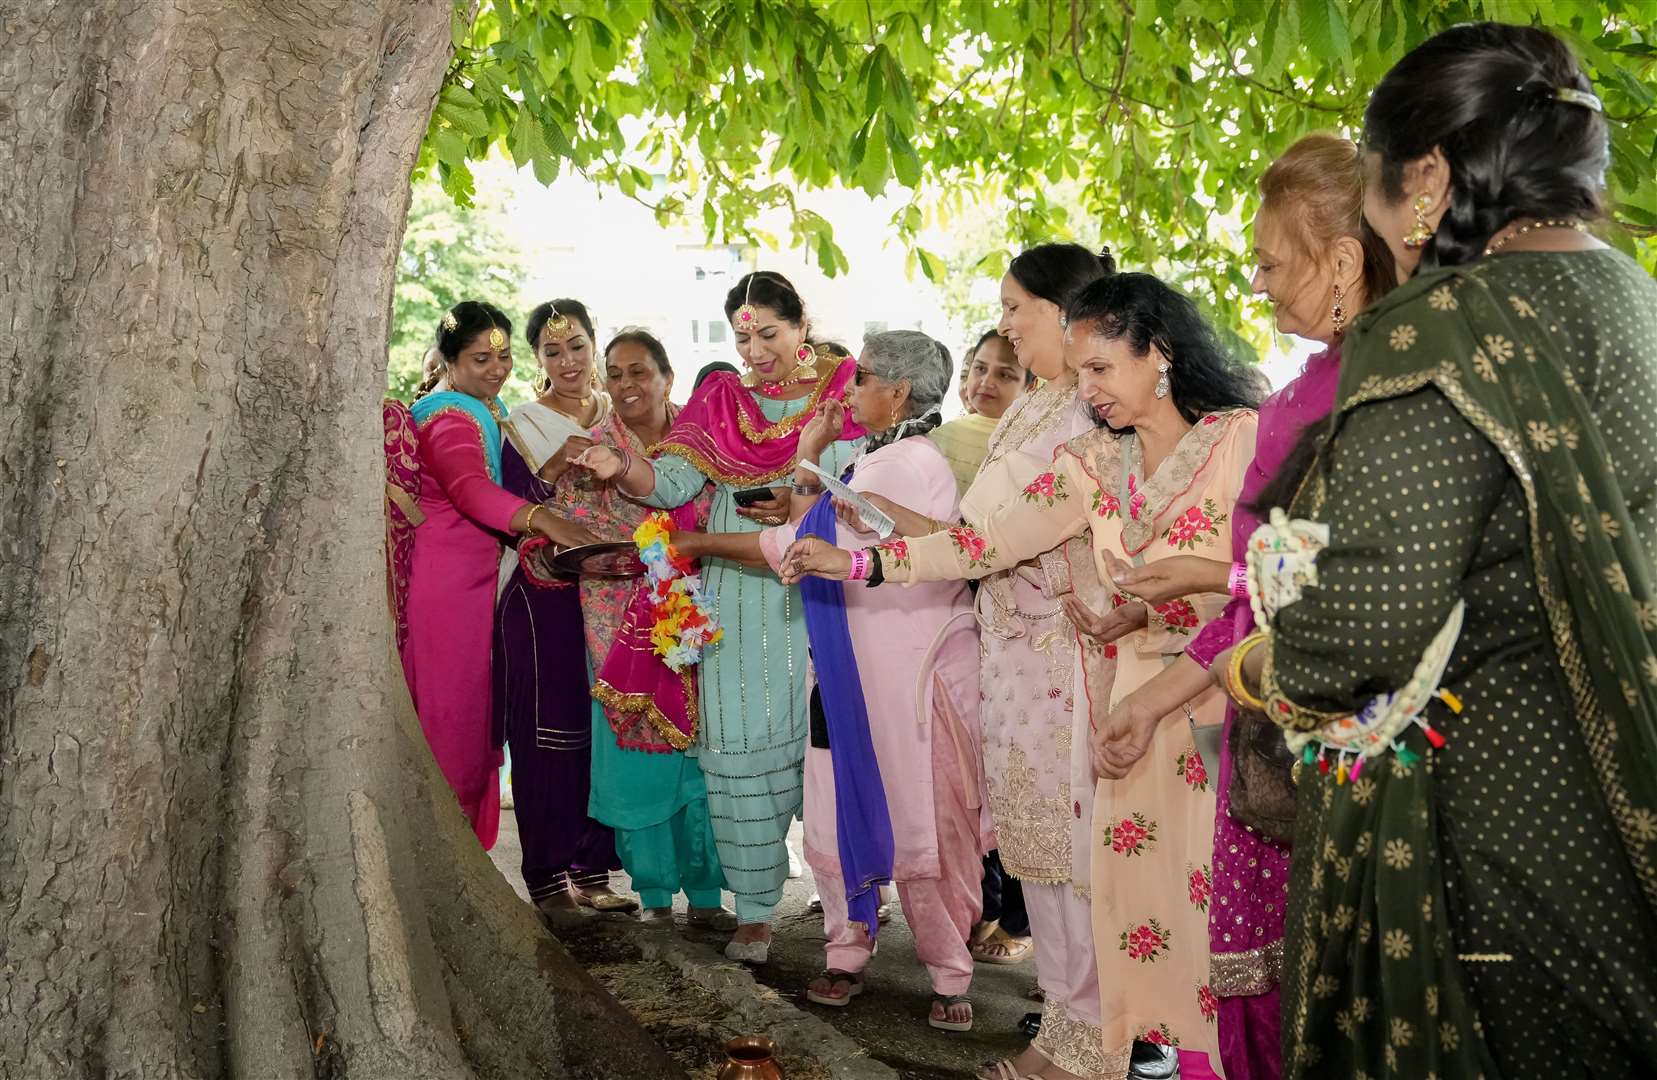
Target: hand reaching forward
column 1106, row 628
column 602, row 461
column 849, row 517
column 814, row 557
column 1164, row 580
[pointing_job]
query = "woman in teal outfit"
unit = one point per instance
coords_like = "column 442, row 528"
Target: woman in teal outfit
column 743, row 433
column 643, row 786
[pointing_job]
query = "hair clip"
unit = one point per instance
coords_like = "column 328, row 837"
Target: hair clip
column 497, row 338
column 1572, row 96
column 450, row 323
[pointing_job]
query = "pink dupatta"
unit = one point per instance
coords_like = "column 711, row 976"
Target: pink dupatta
column 724, row 434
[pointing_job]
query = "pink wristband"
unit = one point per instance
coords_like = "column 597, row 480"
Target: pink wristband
column 1238, row 583
column 860, row 565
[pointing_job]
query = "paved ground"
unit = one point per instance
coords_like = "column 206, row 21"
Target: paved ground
column 889, row 1018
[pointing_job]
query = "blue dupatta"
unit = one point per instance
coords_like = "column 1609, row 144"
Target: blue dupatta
column 435, row 404
column 863, row 826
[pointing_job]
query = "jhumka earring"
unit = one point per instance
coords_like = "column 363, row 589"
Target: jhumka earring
column 806, row 368
column 1337, row 314
column 1418, row 236
column 1162, row 384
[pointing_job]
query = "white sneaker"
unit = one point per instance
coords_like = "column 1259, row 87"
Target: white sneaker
column 794, row 869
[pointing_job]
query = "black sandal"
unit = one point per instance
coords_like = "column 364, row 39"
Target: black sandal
column 944, row 1023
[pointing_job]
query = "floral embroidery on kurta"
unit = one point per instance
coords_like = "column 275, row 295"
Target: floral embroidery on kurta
column 1198, row 526
column 973, row 548
column 1048, row 488
column 1146, row 941
column 1189, row 767
column 1130, row 836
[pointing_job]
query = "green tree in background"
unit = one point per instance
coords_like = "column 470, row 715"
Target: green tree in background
column 450, row 255
column 1161, row 112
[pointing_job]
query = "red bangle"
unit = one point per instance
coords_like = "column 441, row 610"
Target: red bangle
column 1238, row 584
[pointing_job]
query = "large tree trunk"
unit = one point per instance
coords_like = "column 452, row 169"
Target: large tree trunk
column 224, row 848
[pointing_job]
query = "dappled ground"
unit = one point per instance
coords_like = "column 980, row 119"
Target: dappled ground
column 888, row 1019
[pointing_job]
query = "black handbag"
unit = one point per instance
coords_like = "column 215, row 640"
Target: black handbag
column 1262, row 791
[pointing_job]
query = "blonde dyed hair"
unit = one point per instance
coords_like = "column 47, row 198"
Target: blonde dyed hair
column 1316, row 189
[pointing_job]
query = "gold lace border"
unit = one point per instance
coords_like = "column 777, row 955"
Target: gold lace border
column 645, row 704
column 1243, row 974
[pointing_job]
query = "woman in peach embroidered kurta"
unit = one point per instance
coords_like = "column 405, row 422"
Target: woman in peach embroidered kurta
column 1152, row 831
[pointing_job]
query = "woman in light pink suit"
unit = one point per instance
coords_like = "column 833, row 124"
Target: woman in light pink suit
column 450, row 606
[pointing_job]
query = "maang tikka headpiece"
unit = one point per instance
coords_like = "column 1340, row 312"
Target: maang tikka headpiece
column 746, row 315
column 497, row 338
column 558, row 324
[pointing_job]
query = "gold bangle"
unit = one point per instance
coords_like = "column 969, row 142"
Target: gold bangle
column 1235, row 683
column 529, row 520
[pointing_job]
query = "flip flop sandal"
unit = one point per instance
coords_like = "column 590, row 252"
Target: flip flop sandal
column 854, row 987
column 1012, row 950
column 944, row 1023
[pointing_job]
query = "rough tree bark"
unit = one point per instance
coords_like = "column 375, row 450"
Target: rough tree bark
column 224, row 848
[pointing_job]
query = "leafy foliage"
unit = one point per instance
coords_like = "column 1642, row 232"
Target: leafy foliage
column 1160, row 113
column 448, row 256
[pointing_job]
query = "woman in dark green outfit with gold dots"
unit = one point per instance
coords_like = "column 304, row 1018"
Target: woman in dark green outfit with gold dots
column 1476, row 893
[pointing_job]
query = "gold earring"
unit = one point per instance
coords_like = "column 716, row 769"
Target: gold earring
column 1337, row 314
column 1418, row 236
column 806, row 367
column 544, row 383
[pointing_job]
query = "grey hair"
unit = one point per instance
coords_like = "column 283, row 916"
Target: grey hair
column 909, row 354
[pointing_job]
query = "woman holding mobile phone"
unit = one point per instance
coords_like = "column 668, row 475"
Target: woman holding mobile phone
column 743, row 433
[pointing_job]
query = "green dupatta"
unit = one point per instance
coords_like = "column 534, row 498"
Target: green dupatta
column 1468, row 333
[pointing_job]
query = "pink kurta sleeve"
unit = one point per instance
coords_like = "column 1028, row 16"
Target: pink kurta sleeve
column 451, row 450
column 1044, row 514
column 1217, row 636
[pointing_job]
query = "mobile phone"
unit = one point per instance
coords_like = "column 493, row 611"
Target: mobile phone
column 749, row 497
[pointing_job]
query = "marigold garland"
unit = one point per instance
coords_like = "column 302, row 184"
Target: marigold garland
column 684, row 618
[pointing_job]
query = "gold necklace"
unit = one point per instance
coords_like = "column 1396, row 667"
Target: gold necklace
column 1547, row 223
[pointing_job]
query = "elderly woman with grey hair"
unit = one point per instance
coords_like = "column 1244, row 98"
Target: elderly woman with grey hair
column 894, row 777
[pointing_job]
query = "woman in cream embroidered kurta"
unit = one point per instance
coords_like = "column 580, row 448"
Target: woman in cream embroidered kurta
column 1152, row 831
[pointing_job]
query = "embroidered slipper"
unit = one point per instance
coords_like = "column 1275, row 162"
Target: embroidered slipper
column 948, row 1001
column 603, row 900
column 854, row 986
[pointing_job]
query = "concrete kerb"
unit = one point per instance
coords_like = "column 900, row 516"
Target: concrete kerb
column 762, row 1010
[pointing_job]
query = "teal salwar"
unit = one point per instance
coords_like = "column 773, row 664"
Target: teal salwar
column 658, row 806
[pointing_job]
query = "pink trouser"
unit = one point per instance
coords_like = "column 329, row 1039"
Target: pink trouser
column 940, row 911
column 1061, row 924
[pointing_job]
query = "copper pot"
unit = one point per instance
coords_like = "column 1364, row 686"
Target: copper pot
column 750, row 1057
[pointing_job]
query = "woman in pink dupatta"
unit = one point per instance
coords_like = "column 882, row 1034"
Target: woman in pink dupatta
column 924, row 821
column 1319, row 265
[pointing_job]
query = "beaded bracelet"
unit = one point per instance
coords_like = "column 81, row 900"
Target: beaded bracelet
column 1238, row 583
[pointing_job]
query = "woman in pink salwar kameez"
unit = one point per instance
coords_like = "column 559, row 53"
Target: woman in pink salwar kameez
column 450, row 605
